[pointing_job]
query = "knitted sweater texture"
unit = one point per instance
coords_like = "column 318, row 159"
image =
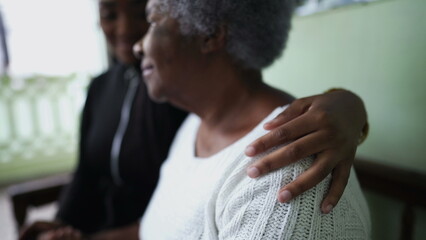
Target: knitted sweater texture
column 213, row 198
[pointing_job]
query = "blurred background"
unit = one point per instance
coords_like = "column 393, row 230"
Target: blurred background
column 50, row 49
column 53, row 49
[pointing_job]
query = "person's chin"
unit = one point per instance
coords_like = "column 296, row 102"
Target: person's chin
column 156, row 95
column 128, row 59
column 159, row 99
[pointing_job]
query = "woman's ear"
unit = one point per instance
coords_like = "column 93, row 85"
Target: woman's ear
column 215, row 41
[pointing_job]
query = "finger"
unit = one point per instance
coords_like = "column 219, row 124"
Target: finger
column 307, row 180
column 70, row 233
column 50, row 235
column 67, row 232
column 59, row 233
column 42, row 226
column 295, row 109
column 74, row 234
column 290, row 131
column 43, row 237
column 339, row 181
column 306, row 146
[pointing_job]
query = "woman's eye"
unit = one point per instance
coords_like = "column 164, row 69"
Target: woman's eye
column 108, row 15
column 151, row 23
column 141, row 14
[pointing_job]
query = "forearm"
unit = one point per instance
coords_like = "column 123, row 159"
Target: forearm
column 129, row 232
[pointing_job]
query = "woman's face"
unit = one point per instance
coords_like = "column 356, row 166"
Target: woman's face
column 123, row 23
column 170, row 60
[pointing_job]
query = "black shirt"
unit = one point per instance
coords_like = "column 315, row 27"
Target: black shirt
column 93, row 201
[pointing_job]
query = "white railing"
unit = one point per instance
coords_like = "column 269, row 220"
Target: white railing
column 39, row 119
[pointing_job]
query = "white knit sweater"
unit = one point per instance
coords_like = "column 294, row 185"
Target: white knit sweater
column 213, row 198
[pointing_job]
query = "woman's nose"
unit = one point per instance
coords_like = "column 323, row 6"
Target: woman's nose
column 138, row 49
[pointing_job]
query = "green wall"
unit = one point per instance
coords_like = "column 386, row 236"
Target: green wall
column 378, row 50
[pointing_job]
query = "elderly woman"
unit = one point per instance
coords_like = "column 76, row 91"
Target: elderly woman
column 206, row 57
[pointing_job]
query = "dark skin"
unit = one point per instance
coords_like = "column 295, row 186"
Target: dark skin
column 327, row 125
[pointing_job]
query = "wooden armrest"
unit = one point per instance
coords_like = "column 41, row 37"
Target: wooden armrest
column 35, row 193
column 402, row 184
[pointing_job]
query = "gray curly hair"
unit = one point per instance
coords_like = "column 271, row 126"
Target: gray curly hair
column 257, row 30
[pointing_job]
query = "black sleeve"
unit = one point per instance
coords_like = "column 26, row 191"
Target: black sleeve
column 79, row 202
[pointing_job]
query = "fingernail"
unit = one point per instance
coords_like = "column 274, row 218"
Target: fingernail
column 253, row 172
column 328, row 208
column 268, row 124
column 250, row 151
column 284, row 196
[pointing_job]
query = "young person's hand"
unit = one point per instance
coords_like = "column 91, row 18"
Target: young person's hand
column 328, row 125
column 63, row 233
column 129, row 232
column 34, row 230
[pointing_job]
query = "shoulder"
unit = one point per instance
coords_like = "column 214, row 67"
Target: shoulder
column 251, row 206
column 237, row 182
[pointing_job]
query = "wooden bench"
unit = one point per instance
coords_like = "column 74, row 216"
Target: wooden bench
column 34, row 194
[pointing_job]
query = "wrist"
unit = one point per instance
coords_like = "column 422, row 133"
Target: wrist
column 364, row 133
column 366, row 127
column 335, row 89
